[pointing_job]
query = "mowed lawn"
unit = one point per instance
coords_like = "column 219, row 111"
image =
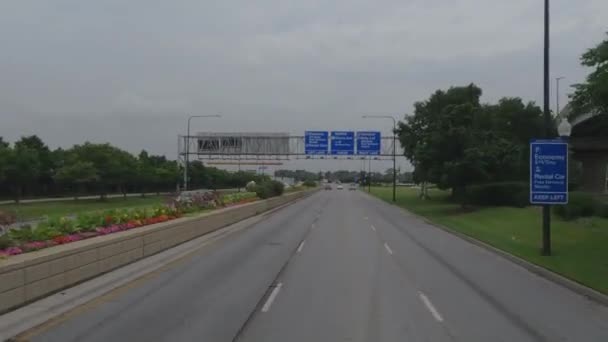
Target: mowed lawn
column 580, row 247
column 29, row 211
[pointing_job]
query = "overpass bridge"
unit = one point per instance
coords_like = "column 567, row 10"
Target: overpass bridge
column 589, row 144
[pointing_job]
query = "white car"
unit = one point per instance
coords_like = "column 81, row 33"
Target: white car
column 340, row 187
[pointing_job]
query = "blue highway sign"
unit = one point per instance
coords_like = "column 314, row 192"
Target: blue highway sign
column 316, row 142
column 368, row 143
column 343, row 143
column 548, row 172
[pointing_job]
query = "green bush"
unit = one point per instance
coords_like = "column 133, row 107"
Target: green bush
column 580, row 204
column 269, row 189
column 6, row 241
column 309, row 183
column 602, row 209
column 22, row 234
column 515, row 194
column 250, row 187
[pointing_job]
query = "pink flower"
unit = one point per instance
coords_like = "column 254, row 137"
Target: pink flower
column 13, row 251
column 103, row 231
column 34, row 245
column 74, row 237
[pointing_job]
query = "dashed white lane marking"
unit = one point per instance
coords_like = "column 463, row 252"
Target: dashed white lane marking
column 301, row 246
column 388, row 249
column 365, row 218
column 312, row 226
column 430, row 307
column 272, row 297
column 373, row 228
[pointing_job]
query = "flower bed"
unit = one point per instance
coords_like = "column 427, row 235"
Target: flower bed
column 58, row 231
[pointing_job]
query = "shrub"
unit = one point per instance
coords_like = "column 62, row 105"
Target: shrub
column 309, row 183
column 250, row 187
column 6, row 241
column 22, row 234
column 602, row 209
column 499, row 194
column 580, row 204
column 269, row 189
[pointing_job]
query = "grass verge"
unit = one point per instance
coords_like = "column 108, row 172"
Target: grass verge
column 30, row 211
column 580, row 247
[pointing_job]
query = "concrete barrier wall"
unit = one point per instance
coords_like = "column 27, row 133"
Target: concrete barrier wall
column 27, row 277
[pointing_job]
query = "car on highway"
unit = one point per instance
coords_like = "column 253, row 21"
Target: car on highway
column 352, row 186
column 328, row 187
column 340, row 187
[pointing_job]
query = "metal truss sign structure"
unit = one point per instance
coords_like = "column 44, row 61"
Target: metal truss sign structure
column 282, row 146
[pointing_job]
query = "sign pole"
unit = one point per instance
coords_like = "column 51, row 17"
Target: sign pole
column 546, row 250
column 369, row 177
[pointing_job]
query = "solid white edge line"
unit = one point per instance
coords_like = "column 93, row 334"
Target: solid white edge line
column 388, row 249
column 301, row 246
column 430, row 307
column 373, row 228
column 271, row 298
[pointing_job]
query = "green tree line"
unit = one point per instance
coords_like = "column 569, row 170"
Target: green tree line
column 29, row 168
column 456, row 142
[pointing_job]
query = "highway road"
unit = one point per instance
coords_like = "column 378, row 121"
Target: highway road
column 337, row 266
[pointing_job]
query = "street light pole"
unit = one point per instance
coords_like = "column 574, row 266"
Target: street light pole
column 546, row 248
column 369, row 176
column 394, row 149
column 187, row 141
column 557, row 95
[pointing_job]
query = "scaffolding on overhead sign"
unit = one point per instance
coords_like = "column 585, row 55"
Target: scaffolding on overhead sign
column 214, row 146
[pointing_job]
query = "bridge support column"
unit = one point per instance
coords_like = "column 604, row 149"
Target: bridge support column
column 595, row 166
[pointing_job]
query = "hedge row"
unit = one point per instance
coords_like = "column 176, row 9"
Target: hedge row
column 582, row 204
column 498, row 194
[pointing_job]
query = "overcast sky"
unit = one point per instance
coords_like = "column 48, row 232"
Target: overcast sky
column 130, row 72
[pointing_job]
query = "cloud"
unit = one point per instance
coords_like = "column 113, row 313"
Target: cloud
column 270, row 65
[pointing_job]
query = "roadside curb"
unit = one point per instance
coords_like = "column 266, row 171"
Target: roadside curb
column 572, row 285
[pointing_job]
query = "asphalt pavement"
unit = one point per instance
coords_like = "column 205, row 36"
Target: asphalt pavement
column 337, row 266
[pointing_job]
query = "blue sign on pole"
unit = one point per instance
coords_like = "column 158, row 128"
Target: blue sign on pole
column 368, row 143
column 316, row 142
column 343, row 143
column 548, row 172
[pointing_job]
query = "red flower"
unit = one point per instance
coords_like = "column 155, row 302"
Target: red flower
column 62, row 239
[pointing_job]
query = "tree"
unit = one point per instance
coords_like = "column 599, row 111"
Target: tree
column 116, row 168
column 592, row 96
column 454, row 141
column 79, row 173
column 22, row 168
column 46, row 165
column 442, row 129
column 5, row 154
